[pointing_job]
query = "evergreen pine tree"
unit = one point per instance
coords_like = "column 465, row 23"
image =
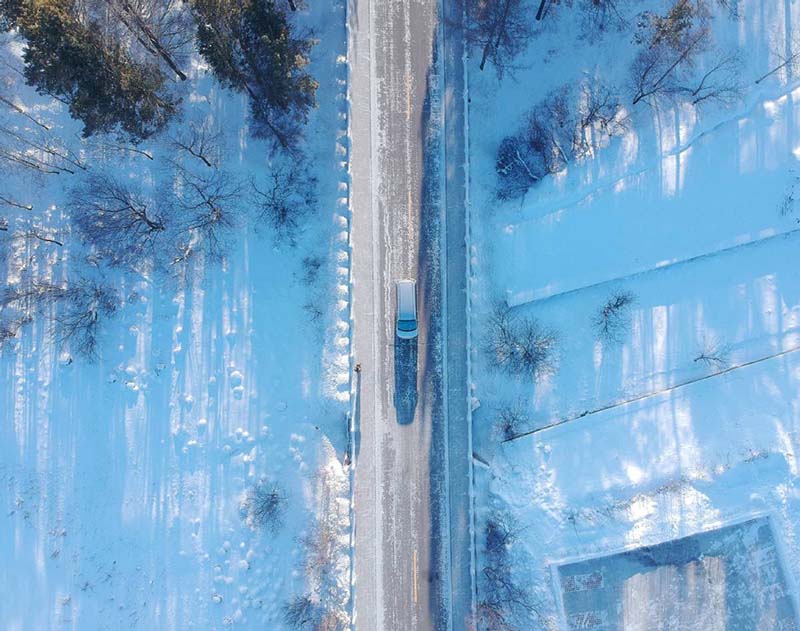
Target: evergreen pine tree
column 69, row 58
column 251, row 48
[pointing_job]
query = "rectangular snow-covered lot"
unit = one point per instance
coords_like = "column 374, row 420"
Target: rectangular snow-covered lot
column 655, row 470
column 729, row 579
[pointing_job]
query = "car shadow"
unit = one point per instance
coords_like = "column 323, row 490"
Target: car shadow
column 405, row 380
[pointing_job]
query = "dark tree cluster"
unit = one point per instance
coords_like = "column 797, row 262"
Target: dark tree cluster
column 111, row 61
column 252, row 48
column 569, row 124
column 69, row 56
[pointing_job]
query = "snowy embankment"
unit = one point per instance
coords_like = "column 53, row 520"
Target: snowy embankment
column 129, row 485
column 677, row 414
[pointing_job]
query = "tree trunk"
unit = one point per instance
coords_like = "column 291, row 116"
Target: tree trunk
column 162, row 52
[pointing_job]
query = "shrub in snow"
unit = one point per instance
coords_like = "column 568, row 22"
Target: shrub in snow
column 612, row 321
column 511, row 420
column 263, row 506
column 301, row 612
column 714, row 353
column 520, row 346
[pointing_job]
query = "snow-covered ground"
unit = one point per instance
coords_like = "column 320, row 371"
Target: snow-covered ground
column 686, row 418
column 124, row 482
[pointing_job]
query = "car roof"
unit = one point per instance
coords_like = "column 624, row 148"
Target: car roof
column 406, row 299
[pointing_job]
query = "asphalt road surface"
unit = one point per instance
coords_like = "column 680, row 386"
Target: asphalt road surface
column 403, row 547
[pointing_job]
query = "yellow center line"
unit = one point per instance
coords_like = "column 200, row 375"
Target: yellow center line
column 415, row 577
column 410, row 223
column 408, row 97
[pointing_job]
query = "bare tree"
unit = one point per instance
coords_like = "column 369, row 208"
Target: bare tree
column 10, row 202
column 604, row 15
column 85, row 306
column 76, row 312
column 288, row 197
column 672, row 46
column 658, row 70
column 571, row 123
column 44, row 148
column 124, row 148
column 201, row 141
column 511, row 419
column 161, row 28
column 500, row 29
column 208, row 214
column 598, row 116
column 121, row 223
column 503, row 604
column 612, row 320
column 22, row 302
column 788, row 60
column 520, row 346
column 718, row 82
column 264, row 505
column 713, row 353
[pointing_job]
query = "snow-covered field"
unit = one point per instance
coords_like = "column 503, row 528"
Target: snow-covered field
column 685, row 417
column 124, row 482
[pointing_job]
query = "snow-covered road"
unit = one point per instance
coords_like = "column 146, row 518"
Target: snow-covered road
column 402, row 514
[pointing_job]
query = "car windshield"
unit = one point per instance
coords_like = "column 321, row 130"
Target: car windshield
column 407, row 325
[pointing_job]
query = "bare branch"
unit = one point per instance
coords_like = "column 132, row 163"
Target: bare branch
column 11, row 202
column 117, row 219
column 201, row 142
column 520, row 346
column 613, row 319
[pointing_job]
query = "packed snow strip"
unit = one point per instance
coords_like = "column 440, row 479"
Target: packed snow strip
column 336, row 355
column 700, row 200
